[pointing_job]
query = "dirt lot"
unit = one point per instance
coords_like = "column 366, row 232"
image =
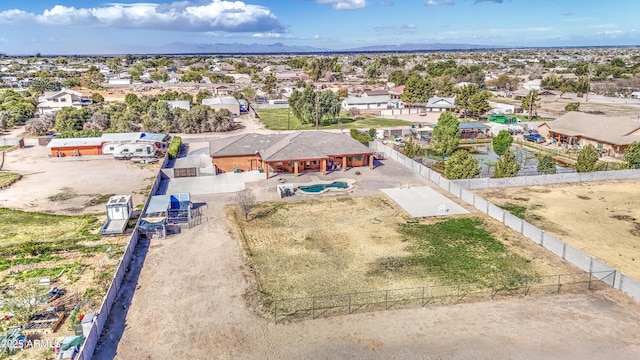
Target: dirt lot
column 602, row 219
column 199, row 305
column 81, row 178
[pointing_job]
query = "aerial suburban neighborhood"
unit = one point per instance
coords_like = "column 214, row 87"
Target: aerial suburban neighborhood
column 237, row 202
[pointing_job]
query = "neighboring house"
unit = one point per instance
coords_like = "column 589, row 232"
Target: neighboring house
column 396, row 92
column 376, row 102
column 223, row 90
column 116, row 81
column 372, row 93
column 241, row 78
column 228, row 102
column 532, row 84
column 178, row 104
column 468, row 130
column 441, row 104
column 610, row 135
column 52, row 101
column 291, row 152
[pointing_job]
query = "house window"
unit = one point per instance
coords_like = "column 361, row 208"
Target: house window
column 308, row 163
column 54, row 100
column 111, row 148
column 357, row 158
column 600, row 145
column 63, row 100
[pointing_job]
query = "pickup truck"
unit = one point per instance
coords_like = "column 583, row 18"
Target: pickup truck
column 536, row 138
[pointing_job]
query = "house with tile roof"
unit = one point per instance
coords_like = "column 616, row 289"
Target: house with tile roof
column 610, row 135
column 293, row 152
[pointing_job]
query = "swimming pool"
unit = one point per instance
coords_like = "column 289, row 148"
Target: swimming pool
column 316, row 188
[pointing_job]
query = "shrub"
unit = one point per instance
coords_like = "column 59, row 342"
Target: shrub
column 174, row 147
column 363, row 138
column 587, row 159
column 506, row 165
column 461, row 165
column 546, row 165
column 501, row 142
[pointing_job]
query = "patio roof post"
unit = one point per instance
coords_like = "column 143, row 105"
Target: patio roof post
column 265, row 168
column 295, row 168
column 344, row 163
column 371, row 162
column 323, row 166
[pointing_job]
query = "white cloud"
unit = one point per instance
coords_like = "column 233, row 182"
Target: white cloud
column 267, row 35
column 345, row 4
column 215, row 15
column 439, row 3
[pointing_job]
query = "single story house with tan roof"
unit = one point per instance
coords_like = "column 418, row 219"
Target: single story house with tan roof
column 292, row 152
column 610, row 135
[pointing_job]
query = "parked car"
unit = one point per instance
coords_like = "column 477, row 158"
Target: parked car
column 536, row 138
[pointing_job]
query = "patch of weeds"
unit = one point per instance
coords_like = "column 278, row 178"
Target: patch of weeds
column 391, row 264
column 636, row 229
column 66, row 193
column 461, row 250
column 623, row 217
column 99, row 199
column 583, row 197
column 515, row 210
column 91, row 293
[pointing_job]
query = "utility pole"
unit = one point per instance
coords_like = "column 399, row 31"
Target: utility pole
column 317, row 105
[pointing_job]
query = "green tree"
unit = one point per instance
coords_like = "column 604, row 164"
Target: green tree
column 587, row 159
column 411, row 148
column 201, row 95
column 478, row 103
column 632, row 155
column 302, row 105
column 546, row 165
column 269, row 83
column 40, row 85
column 531, row 103
column 461, row 165
column 465, row 94
column 191, row 76
column 69, row 119
column 96, row 98
column 501, row 142
column 506, row 165
column 572, row 106
column 417, row 89
column 131, row 99
column 446, row 134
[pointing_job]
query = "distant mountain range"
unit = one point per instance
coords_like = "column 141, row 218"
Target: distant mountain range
column 280, row 48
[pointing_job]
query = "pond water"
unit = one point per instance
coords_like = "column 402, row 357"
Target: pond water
column 527, row 160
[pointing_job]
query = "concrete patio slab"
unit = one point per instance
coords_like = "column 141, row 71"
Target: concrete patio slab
column 421, row 201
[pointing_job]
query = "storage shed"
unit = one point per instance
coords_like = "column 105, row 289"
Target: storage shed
column 119, row 210
column 75, row 146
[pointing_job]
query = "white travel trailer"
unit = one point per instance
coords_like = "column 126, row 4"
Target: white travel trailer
column 130, row 151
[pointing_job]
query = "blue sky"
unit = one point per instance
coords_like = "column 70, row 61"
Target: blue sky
column 122, row 26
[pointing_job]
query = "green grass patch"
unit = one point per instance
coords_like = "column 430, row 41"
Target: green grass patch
column 70, row 270
column 460, row 250
column 18, row 226
column 515, row 210
column 99, row 199
column 281, row 119
column 5, row 147
column 7, row 178
column 534, row 118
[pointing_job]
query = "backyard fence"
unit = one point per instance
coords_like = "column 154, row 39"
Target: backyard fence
column 89, row 345
column 348, row 303
column 460, row 189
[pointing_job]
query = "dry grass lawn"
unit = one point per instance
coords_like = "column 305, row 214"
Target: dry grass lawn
column 601, row 219
column 345, row 244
